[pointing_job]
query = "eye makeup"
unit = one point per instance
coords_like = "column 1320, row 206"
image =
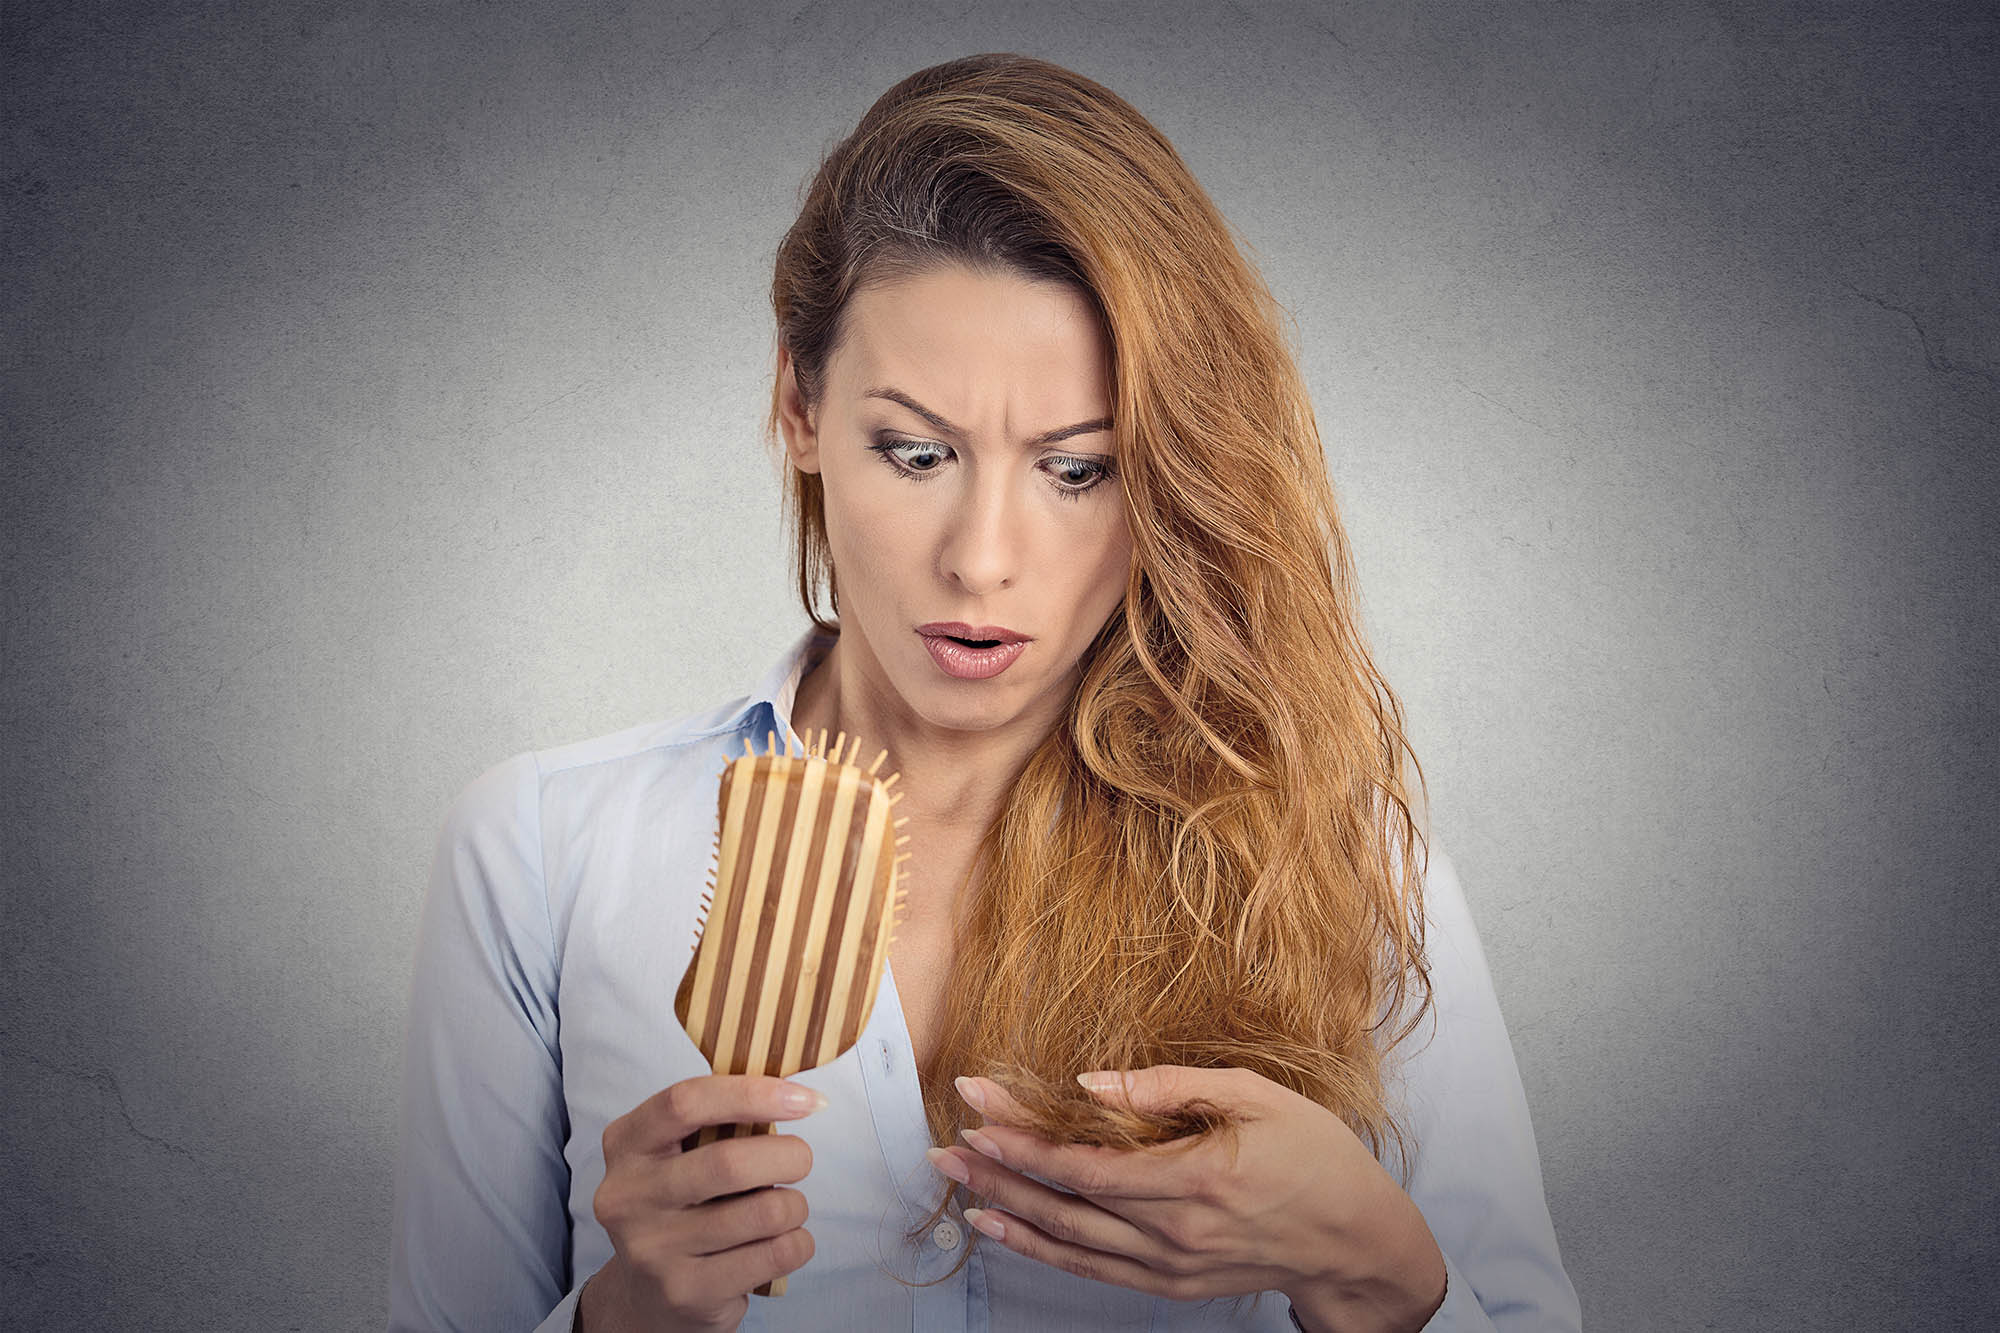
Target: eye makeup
column 900, row 455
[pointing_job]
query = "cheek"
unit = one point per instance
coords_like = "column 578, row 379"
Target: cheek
column 1101, row 580
column 869, row 526
column 1114, row 563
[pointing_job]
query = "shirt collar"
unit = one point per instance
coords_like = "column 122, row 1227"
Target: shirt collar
column 770, row 704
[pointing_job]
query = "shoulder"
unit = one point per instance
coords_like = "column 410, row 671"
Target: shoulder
column 514, row 791
column 1456, row 1002
column 663, row 739
column 1449, row 937
column 1449, row 934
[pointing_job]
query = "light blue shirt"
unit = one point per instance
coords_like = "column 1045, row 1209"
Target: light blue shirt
column 560, row 915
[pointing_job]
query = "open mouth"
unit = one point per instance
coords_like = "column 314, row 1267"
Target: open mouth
column 967, row 658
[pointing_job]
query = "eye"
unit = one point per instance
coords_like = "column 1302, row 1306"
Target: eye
column 912, row 458
column 1073, row 476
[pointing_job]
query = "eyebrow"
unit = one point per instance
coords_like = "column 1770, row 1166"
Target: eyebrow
column 939, row 423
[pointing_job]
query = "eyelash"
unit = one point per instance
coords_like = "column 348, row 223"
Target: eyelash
column 887, row 450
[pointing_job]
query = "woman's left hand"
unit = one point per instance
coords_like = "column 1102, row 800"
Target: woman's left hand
column 1301, row 1206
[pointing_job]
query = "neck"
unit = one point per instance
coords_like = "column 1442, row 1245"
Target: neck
column 953, row 781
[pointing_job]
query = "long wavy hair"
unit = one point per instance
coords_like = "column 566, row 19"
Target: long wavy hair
column 1211, row 859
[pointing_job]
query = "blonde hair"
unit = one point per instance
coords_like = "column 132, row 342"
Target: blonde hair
column 1211, row 860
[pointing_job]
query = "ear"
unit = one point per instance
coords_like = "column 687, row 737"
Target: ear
column 794, row 423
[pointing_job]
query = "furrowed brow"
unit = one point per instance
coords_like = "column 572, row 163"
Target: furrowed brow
column 940, row 424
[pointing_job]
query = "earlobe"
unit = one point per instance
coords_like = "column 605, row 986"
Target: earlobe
column 794, row 423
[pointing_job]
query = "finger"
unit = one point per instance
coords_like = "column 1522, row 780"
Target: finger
column 1024, row 1238
column 643, row 1189
column 723, row 1224
column 991, row 1100
column 1164, row 1087
column 1159, row 1088
column 1170, row 1170
column 732, row 1166
column 734, row 1271
column 658, row 1124
column 1066, row 1217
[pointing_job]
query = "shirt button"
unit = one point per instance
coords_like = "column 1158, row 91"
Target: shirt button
column 945, row 1234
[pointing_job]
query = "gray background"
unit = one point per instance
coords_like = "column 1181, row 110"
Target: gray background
column 382, row 399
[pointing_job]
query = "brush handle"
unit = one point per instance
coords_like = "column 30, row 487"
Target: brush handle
column 715, row 1134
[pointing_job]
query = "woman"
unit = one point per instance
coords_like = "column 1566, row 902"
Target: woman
column 1051, row 459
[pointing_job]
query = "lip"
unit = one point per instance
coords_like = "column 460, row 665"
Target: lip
column 959, row 629
column 963, row 663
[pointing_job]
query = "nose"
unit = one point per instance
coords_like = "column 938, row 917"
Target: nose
column 982, row 539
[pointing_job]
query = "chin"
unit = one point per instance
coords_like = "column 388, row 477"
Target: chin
column 940, row 709
column 965, row 705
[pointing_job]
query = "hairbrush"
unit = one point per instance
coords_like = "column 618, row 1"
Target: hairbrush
column 802, row 903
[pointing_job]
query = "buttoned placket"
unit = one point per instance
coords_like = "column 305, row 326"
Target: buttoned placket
column 895, row 1099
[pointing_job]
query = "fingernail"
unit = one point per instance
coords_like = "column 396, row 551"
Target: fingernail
column 948, row 1164
column 797, row 1097
column 970, row 1091
column 983, row 1144
column 1099, row 1080
column 986, row 1222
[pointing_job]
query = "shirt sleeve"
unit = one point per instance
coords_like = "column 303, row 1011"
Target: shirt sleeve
column 480, row 1235
column 1476, row 1174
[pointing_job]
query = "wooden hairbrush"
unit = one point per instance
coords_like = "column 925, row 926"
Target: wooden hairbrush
column 802, row 903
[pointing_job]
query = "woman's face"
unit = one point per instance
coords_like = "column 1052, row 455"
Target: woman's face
column 964, row 441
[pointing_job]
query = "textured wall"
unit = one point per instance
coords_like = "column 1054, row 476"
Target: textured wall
column 382, row 388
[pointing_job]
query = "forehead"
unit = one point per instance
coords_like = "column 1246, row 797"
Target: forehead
column 970, row 336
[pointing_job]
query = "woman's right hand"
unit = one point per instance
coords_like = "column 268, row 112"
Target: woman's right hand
column 686, row 1256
